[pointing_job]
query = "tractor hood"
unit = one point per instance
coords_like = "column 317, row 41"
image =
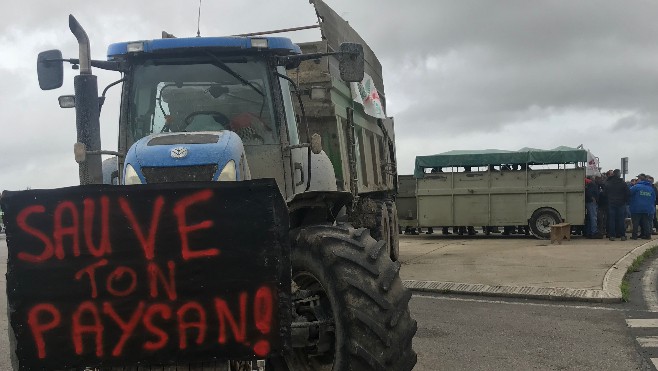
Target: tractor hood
column 198, row 156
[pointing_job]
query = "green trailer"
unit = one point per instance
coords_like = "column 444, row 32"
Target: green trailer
column 496, row 188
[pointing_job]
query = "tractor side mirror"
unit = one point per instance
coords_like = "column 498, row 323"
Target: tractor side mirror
column 50, row 69
column 351, row 62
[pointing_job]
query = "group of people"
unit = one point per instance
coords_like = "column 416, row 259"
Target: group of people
column 610, row 201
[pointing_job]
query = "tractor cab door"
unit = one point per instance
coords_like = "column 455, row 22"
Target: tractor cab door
column 295, row 157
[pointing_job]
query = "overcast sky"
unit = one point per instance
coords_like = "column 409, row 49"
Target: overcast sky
column 458, row 74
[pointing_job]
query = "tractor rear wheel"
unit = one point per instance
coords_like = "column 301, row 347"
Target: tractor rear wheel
column 350, row 309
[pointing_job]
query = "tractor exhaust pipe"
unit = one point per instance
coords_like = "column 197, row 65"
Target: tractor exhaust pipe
column 87, row 110
column 83, row 45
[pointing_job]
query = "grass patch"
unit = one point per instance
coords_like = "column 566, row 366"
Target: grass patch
column 634, row 267
column 625, row 289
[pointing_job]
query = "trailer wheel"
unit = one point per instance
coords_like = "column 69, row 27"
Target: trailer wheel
column 350, row 309
column 541, row 221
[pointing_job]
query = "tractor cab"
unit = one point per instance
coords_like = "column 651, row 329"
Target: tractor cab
column 212, row 108
column 199, row 109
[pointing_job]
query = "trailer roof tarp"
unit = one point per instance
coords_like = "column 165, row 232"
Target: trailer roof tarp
column 559, row 155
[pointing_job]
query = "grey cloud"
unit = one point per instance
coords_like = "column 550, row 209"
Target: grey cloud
column 558, row 55
column 636, row 122
column 465, row 70
column 527, row 28
column 491, row 84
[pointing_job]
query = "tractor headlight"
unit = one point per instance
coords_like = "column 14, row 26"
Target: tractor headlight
column 131, row 176
column 228, row 173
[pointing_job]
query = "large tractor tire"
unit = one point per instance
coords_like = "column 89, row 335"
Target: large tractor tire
column 350, row 308
column 541, row 221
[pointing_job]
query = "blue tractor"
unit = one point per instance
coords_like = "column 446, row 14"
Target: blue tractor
column 226, row 109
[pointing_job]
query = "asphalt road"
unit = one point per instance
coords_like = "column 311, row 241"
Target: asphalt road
column 475, row 333
column 463, row 333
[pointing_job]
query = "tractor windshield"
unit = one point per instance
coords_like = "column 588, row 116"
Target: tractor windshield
column 183, row 96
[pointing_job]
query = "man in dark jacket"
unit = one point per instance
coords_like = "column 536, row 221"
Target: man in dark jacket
column 591, row 199
column 617, row 194
column 655, row 189
column 602, row 203
column 642, row 205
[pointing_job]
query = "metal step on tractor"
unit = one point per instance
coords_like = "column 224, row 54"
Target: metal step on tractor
column 246, row 107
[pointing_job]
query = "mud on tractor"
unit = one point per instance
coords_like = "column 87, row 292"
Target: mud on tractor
column 240, row 108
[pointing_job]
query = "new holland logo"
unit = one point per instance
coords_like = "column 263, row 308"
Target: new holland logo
column 179, row 152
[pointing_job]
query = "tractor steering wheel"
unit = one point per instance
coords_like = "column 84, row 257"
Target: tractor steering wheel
column 220, row 118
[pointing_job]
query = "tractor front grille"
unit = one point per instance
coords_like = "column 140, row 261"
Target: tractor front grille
column 179, row 174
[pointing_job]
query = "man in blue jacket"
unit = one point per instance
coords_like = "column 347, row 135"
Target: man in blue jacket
column 642, row 205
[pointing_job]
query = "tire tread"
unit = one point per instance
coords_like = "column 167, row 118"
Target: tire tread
column 370, row 303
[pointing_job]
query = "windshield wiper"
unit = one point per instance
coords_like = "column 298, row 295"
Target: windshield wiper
column 228, row 70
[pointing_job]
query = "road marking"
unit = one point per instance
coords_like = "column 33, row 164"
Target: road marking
column 421, row 296
column 647, row 323
column 648, row 341
column 655, row 362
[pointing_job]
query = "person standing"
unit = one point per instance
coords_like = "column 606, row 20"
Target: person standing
column 655, row 219
column 602, row 204
column 591, row 198
column 643, row 205
column 617, row 194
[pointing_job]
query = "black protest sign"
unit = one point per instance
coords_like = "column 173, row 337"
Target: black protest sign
column 148, row 275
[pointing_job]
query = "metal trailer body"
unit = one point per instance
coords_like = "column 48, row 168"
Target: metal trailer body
column 406, row 202
column 547, row 191
column 361, row 147
column 345, row 128
column 499, row 198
